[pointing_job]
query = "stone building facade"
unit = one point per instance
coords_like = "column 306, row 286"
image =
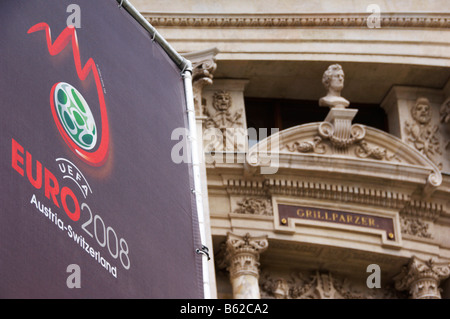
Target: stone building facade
column 325, row 143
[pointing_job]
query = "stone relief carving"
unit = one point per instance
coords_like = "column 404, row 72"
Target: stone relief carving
column 319, row 285
column 363, row 150
column 224, row 128
column 421, row 133
column 314, row 146
column 222, row 118
column 255, row 206
column 415, row 227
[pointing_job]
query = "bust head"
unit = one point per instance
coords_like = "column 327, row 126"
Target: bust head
column 421, row 111
column 333, row 78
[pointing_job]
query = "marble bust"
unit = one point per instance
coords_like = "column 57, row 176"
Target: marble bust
column 333, row 80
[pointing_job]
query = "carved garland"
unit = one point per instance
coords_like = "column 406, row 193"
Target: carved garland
column 326, row 132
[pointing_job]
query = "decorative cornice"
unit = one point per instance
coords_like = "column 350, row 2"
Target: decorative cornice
column 305, row 20
column 422, row 209
column 323, row 190
column 408, row 207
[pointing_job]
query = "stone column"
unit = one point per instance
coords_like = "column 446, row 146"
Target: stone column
column 243, row 260
column 421, row 278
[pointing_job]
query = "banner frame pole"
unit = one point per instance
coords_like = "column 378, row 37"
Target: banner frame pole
column 181, row 62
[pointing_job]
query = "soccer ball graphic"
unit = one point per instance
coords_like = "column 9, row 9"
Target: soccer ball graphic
column 75, row 116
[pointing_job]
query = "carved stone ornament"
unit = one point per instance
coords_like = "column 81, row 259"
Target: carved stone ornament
column 363, row 150
column 224, row 128
column 223, row 118
column 255, row 206
column 414, row 226
column 421, row 133
column 303, row 20
column 203, row 67
column 242, row 257
column 243, row 254
column 341, row 132
column 318, row 285
column 314, row 146
column 421, row 278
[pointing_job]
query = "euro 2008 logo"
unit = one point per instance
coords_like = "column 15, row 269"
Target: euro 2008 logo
column 86, row 137
column 75, row 116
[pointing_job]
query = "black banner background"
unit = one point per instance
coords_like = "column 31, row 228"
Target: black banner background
column 138, row 193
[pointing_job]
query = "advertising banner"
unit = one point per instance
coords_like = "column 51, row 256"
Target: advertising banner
column 92, row 206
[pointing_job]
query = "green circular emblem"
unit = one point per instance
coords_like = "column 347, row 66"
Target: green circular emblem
column 75, row 116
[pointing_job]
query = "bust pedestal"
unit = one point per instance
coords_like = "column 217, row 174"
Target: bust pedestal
column 338, row 128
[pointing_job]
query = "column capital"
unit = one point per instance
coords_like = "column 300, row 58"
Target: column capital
column 422, row 278
column 243, row 254
column 203, row 67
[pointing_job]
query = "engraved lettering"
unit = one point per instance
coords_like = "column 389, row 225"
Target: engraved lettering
column 347, row 218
